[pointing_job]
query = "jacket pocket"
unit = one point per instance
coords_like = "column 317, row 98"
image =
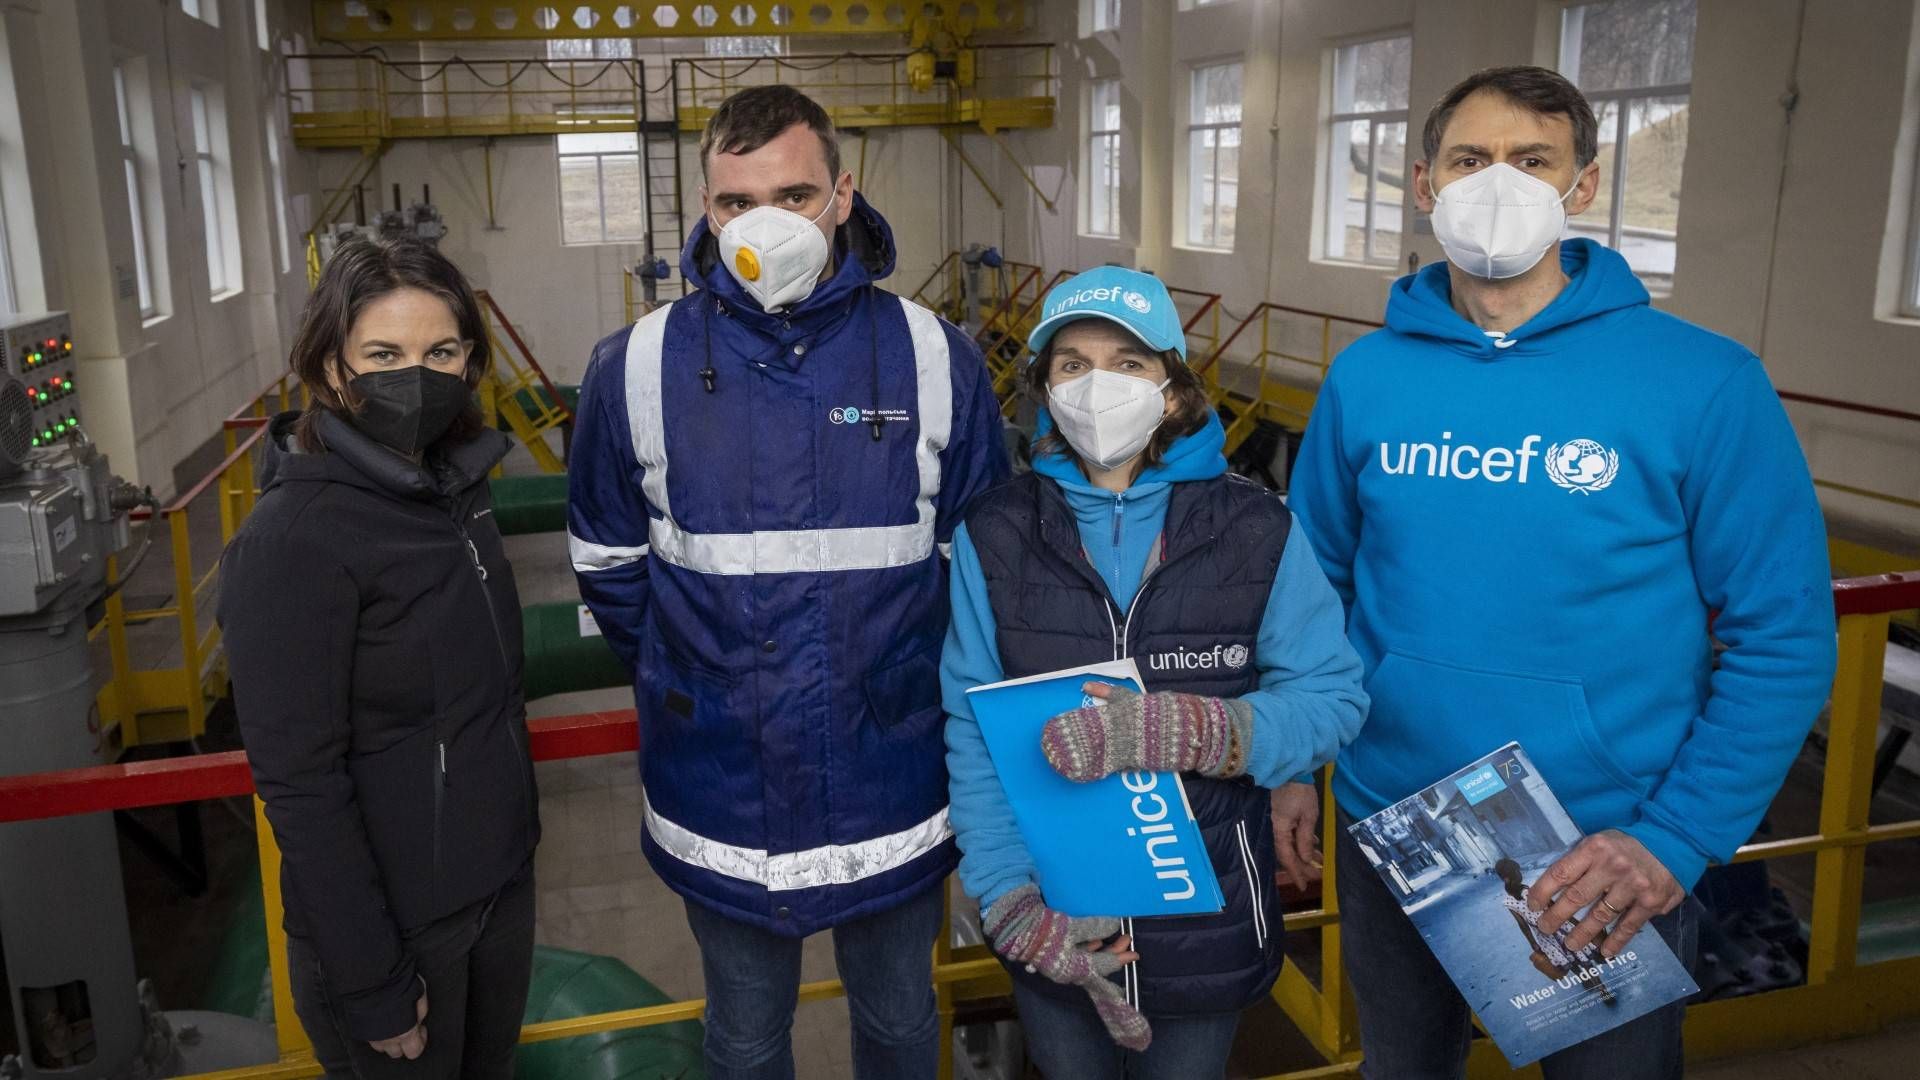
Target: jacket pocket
column 1430, row 717
column 904, row 694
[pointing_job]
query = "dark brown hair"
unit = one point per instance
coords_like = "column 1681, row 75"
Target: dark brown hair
column 359, row 273
column 1190, row 406
column 1536, row 89
column 756, row 116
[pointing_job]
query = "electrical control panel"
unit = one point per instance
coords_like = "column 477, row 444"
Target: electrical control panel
column 38, row 350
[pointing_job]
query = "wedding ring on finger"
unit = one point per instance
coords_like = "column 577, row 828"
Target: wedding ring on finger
column 1612, row 912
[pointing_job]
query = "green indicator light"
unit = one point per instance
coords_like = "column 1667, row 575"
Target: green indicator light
column 36, row 440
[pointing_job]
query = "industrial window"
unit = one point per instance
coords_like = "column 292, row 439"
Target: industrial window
column 1910, row 293
column 601, row 197
column 1367, row 150
column 277, row 193
column 260, row 25
column 207, row 11
column 590, row 49
column 1213, row 156
column 1634, row 61
column 1104, row 15
column 1103, row 158
column 136, row 203
column 213, row 154
column 7, row 302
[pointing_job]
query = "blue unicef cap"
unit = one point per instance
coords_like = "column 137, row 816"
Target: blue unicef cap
column 1135, row 300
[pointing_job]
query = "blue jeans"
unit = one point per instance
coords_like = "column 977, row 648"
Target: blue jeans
column 1415, row 1026
column 1068, row 1042
column 753, row 984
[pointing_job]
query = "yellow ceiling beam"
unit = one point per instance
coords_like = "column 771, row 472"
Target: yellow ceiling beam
column 537, row 20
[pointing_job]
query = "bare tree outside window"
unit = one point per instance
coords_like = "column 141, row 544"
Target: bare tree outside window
column 1367, row 150
column 1634, row 61
column 1103, row 158
column 1213, row 156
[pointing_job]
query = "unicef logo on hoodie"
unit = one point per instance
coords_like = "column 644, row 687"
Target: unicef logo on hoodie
column 1582, row 465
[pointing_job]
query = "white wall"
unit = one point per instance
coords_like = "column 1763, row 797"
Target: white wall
column 151, row 391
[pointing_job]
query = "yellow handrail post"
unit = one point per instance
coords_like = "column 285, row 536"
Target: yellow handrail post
column 183, row 602
column 1852, row 727
column 286, row 1023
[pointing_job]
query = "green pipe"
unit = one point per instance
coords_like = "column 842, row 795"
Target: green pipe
column 569, row 984
column 530, row 504
column 565, row 652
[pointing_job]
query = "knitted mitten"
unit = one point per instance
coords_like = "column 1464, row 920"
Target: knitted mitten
column 1161, row 732
column 1022, row 928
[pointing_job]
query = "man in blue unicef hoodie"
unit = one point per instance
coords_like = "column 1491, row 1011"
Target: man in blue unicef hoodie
column 765, row 480
column 1533, row 490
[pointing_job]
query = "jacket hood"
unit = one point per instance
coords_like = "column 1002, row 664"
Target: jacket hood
column 354, row 458
column 1197, row 455
column 863, row 254
column 1600, row 283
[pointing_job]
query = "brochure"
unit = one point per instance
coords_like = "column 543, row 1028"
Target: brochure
column 1460, row 856
column 1125, row 845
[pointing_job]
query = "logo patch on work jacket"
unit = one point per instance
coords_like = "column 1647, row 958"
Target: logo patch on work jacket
column 852, row 415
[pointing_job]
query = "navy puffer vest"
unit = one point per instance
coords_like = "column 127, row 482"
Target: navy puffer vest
column 1192, row 627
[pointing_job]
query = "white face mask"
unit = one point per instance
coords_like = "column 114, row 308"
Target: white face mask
column 1498, row 222
column 1108, row 417
column 775, row 254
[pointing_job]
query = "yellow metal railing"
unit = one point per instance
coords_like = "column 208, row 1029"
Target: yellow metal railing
column 1841, row 997
column 169, row 704
column 1003, row 87
column 518, row 391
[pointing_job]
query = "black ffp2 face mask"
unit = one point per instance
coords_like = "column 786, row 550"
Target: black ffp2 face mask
column 409, row 408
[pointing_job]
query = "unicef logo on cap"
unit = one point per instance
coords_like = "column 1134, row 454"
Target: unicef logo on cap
column 1582, row 465
column 1138, row 302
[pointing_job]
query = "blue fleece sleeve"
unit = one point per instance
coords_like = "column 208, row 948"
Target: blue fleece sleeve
column 606, row 512
column 1760, row 558
column 1310, row 702
column 993, row 858
column 976, row 455
column 1322, row 492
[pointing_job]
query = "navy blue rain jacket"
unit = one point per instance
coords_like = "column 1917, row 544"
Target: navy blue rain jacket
column 760, row 509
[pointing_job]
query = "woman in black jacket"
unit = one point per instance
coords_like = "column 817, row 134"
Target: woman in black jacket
column 373, row 634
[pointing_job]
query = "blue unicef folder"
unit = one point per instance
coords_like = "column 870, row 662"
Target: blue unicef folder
column 1125, row 846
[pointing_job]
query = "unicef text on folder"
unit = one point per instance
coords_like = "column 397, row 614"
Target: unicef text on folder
column 1125, row 846
column 1460, row 857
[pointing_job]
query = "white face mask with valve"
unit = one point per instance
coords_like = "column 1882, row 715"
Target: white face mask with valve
column 1108, row 417
column 775, row 254
column 1498, row 222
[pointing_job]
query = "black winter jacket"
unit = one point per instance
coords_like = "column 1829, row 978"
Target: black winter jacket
column 373, row 634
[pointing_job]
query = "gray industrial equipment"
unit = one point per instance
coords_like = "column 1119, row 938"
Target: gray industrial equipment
column 76, row 1005
column 421, row 221
column 38, row 351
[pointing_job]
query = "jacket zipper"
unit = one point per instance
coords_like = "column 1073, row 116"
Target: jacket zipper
column 1253, row 885
column 499, row 644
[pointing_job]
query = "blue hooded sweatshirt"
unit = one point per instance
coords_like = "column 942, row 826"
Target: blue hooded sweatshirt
column 1308, row 705
column 1530, row 532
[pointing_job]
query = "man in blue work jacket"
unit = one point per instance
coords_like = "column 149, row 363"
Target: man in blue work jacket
column 764, row 480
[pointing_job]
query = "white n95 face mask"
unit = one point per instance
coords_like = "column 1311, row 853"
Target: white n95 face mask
column 1108, row 417
column 1498, row 222
column 775, row 254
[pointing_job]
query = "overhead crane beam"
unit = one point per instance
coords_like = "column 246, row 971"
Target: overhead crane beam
column 542, row 20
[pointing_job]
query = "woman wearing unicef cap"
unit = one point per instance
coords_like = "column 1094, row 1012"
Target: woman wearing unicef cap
column 1199, row 576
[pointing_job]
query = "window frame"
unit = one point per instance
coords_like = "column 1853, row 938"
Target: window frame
column 1103, row 16
column 599, row 157
column 207, row 11
column 277, row 178
column 134, row 169
column 1196, row 106
column 1374, row 119
column 1623, row 99
column 1096, row 136
column 1909, row 305
column 214, row 172
column 9, row 301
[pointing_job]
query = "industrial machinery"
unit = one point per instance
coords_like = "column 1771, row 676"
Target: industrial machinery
column 76, row 1004
column 422, row 220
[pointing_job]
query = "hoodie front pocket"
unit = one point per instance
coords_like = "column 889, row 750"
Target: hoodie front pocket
column 1432, row 717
